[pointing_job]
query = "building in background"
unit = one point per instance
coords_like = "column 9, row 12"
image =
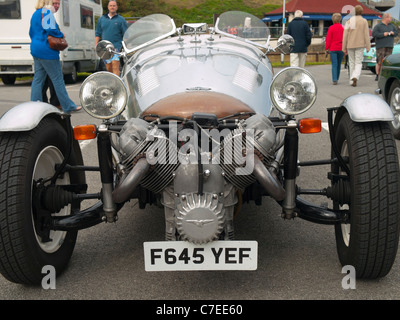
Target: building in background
column 381, row 5
column 318, row 14
column 395, row 10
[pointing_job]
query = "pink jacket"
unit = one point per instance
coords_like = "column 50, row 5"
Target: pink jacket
column 334, row 38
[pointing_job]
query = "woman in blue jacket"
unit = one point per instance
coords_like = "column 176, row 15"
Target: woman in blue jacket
column 47, row 60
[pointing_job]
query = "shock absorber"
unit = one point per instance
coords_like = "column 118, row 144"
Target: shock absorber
column 290, row 172
column 106, row 171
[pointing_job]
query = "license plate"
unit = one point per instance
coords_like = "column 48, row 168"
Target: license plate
column 217, row 255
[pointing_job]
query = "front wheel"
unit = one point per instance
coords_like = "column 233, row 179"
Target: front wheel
column 25, row 245
column 369, row 241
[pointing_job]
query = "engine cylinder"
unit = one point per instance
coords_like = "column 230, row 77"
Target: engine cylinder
column 256, row 135
column 138, row 139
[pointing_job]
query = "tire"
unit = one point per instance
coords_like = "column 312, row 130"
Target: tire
column 8, row 79
column 26, row 157
column 72, row 77
column 369, row 242
column 394, row 102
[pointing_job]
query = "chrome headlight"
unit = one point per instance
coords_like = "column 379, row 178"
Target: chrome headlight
column 103, row 95
column 293, row 91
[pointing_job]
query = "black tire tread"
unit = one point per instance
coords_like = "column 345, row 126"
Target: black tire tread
column 12, row 252
column 375, row 197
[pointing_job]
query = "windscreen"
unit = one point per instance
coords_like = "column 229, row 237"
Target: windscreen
column 243, row 25
column 147, row 29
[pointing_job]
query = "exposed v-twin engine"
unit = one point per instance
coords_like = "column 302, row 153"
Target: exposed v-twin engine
column 198, row 186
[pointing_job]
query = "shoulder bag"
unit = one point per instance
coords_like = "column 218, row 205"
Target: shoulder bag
column 58, row 44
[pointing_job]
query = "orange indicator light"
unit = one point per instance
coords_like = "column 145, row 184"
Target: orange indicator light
column 85, row 132
column 310, row 125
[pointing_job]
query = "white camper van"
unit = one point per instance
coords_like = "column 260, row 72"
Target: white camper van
column 76, row 19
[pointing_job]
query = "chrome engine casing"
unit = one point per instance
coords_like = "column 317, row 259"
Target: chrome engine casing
column 199, row 217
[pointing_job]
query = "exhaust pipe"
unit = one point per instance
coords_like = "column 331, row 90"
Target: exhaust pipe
column 269, row 182
column 124, row 189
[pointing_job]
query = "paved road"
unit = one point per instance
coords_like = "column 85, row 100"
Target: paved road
column 297, row 259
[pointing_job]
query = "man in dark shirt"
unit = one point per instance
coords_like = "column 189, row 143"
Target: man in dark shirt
column 384, row 33
column 111, row 27
column 301, row 33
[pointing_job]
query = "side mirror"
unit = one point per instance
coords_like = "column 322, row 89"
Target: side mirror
column 285, row 44
column 105, row 49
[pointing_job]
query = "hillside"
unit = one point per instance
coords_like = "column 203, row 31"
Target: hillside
column 194, row 10
column 192, row 3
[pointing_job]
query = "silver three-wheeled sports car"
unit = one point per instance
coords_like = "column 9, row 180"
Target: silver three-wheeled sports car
column 199, row 124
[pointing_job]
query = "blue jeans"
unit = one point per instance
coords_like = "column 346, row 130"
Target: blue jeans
column 336, row 58
column 53, row 69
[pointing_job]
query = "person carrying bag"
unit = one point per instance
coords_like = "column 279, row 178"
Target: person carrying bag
column 47, row 60
column 56, row 43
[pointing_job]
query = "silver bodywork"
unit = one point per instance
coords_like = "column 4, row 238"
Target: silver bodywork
column 365, row 107
column 198, row 63
column 26, row 116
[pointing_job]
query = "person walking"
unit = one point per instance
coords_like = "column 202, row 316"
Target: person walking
column 301, row 33
column 384, row 33
column 355, row 40
column 53, row 100
column 111, row 26
column 334, row 44
column 46, row 60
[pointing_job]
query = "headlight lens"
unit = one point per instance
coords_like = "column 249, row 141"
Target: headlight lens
column 103, row 95
column 293, row 91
